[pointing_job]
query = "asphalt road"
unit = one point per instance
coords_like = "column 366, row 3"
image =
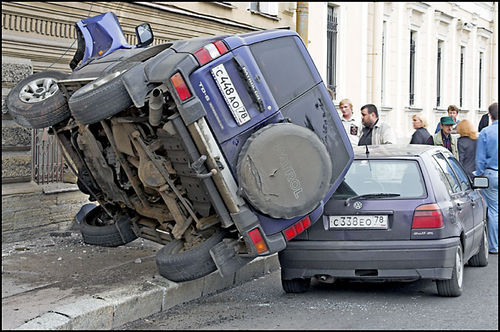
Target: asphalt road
column 262, row 304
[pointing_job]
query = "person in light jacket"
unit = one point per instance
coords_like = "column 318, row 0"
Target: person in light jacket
column 421, row 135
column 375, row 131
column 467, row 146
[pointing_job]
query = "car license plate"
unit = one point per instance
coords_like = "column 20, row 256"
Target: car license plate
column 230, row 94
column 359, row 222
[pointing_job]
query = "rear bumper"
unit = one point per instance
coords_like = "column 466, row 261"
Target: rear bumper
column 425, row 259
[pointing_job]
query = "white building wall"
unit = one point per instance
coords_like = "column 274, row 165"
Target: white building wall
column 359, row 57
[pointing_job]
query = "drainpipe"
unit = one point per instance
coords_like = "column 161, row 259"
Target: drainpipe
column 303, row 20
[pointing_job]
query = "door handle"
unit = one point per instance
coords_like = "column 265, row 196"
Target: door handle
column 459, row 207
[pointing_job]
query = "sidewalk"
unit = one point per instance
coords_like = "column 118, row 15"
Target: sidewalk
column 58, row 282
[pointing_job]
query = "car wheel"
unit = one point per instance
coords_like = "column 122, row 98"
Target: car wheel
column 481, row 258
column 100, row 229
column 178, row 264
column 453, row 286
column 37, row 102
column 100, row 99
column 296, row 285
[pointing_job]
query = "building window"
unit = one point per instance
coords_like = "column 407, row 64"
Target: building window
column 481, row 54
column 461, row 92
column 331, row 69
column 382, row 85
column 267, row 8
column 439, row 72
column 412, row 67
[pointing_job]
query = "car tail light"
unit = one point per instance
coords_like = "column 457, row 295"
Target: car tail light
column 258, row 241
column 210, row 52
column 427, row 216
column 180, row 86
column 297, row 228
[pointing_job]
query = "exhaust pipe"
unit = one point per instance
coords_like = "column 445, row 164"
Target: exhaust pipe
column 156, row 102
column 326, row 279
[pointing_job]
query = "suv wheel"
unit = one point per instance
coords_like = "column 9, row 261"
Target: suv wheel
column 297, row 285
column 453, row 286
column 100, row 99
column 100, row 229
column 37, row 102
column 176, row 263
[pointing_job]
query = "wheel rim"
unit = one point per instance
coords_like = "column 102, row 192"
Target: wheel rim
column 100, row 81
column 459, row 267
column 38, row 90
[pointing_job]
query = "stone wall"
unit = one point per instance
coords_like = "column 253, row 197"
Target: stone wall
column 29, row 209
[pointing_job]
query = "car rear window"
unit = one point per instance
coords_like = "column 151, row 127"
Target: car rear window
column 284, row 68
column 401, row 177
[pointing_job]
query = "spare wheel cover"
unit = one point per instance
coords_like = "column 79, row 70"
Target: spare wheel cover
column 284, row 170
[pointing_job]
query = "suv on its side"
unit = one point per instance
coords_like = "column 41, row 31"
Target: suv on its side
column 223, row 148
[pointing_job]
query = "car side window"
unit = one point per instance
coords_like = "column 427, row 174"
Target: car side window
column 464, row 180
column 447, row 174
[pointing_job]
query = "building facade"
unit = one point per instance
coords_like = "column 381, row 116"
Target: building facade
column 408, row 57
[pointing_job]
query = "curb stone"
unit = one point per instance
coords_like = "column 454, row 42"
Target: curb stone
column 117, row 307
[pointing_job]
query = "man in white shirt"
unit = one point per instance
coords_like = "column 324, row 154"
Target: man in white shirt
column 351, row 125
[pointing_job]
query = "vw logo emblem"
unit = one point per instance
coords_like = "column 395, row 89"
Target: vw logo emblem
column 357, row 205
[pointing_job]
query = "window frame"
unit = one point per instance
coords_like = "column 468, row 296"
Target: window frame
column 446, row 179
column 331, row 46
column 413, row 44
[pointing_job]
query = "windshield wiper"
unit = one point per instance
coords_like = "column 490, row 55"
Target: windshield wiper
column 365, row 196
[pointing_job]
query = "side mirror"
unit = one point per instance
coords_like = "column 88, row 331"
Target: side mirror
column 480, row 182
column 144, row 34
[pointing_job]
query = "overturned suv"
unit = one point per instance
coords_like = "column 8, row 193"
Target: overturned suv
column 221, row 148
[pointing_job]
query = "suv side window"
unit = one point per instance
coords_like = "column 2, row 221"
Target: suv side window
column 447, row 174
column 464, row 180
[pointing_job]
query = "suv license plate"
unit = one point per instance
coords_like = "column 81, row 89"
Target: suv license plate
column 230, row 94
column 359, row 222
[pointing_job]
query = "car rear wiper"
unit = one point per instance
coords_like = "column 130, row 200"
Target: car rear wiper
column 365, row 196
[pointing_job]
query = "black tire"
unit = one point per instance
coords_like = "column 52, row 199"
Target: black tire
column 187, row 265
column 99, row 229
column 100, row 99
column 453, row 287
column 481, row 258
column 297, row 285
column 40, row 108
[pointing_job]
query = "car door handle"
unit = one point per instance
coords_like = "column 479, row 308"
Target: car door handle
column 459, row 207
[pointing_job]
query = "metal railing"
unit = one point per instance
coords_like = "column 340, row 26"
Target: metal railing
column 48, row 164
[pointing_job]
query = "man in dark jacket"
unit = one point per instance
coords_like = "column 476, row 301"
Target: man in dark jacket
column 484, row 122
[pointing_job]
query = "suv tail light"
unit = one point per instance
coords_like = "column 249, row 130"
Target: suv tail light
column 210, row 52
column 180, row 86
column 427, row 216
column 297, row 228
column 258, row 241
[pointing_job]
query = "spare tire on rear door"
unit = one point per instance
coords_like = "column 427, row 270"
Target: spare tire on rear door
column 37, row 102
column 284, row 170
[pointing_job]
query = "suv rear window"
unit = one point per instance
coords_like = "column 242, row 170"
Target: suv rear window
column 284, row 68
column 401, row 177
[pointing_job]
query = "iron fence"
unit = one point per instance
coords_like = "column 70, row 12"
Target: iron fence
column 48, row 164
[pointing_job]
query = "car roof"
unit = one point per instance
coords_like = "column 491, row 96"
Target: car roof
column 394, row 150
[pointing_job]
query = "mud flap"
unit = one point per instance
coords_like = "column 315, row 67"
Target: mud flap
column 226, row 259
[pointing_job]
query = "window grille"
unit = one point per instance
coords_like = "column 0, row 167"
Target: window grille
column 332, row 28
column 462, row 51
column 47, row 160
column 382, row 83
column 438, row 79
column 480, row 77
column 412, row 67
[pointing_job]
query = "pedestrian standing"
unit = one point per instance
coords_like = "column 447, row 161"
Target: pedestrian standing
column 421, row 135
column 467, row 146
column 444, row 136
column 453, row 112
column 375, row 131
column 484, row 122
column 487, row 165
column 351, row 125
